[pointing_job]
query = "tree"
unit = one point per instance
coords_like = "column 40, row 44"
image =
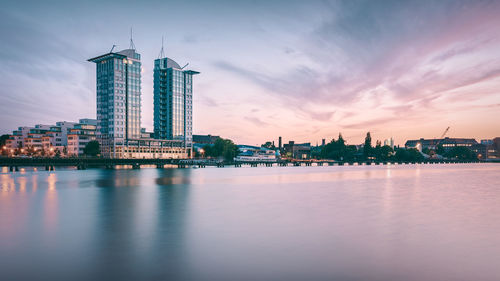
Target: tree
column 440, row 149
column 338, row 150
column 341, row 141
column 367, row 148
column 269, row 145
column 350, row 153
column 461, row 153
column 411, row 154
column 92, row 148
column 3, row 140
column 222, row 148
column 383, row 152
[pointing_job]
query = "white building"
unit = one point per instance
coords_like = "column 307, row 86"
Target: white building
column 249, row 153
column 53, row 141
column 16, row 140
column 80, row 135
column 389, row 142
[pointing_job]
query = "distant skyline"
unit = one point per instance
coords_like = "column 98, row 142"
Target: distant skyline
column 303, row 70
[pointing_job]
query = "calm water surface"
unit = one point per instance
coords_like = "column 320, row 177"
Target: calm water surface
column 410, row 222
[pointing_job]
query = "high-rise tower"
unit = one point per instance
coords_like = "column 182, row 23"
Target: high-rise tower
column 173, row 101
column 118, row 100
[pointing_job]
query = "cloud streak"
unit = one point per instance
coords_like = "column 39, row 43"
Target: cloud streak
column 348, row 66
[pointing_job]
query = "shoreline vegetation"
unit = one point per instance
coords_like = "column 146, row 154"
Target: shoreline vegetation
column 225, row 150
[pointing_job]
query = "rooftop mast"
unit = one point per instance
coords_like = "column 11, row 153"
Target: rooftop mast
column 162, row 53
column 132, row 45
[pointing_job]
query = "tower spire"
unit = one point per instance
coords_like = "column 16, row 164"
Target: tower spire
column 162, row 53
column 132, row 45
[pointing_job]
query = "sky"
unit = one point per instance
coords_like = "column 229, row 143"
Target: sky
column 303, row 70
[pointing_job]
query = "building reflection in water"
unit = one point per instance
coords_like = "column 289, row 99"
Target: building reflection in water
column 173, row 190
column 51, row 206
column 140, row 228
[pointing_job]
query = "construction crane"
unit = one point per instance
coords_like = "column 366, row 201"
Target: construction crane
column 445, row 131
column 441, row 138
column 112, row 48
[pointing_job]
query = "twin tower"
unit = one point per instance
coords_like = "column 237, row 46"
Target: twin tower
column 118, row 92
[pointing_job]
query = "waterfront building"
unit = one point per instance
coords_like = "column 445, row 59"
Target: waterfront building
column 16, row 140
column 173, row 102
column 481, row 151
column 80, row 135
column 65, row 127
column 487, row 142
column 118, row 93
column 56, row 137
column 446, row 143
column 487, row 151
column 43, row 140
column 494, row 149
column 248, row 153
column 146, row 134
column 33, row 140
column 200, row 141
column 52, row 140
column 205, row 139
column 118, row 79
column 297, row 151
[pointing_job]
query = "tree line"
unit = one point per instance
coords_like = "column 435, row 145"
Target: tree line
column 338, row 149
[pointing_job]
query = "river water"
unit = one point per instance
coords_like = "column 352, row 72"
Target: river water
column 402, row 222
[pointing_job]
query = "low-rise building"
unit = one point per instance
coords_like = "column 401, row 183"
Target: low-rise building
column 248, row 153
column 147, row 135
column 80, row 135
column 52, row 141
column 446, row 143
column 487, row 142
column 16, row 140
column 494, row 149
column 297, row 151
column 65, row 127
column 204, row 139
column 42, row 140
column 33, row 142
column 154, row 148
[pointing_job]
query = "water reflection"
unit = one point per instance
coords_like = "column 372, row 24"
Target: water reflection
column 50, row 204
column 401, row 222
column 141, row 223
column 173, row 189
column 22, row 184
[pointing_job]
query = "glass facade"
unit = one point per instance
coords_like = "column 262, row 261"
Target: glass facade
column 173, row 101
column 118, row 99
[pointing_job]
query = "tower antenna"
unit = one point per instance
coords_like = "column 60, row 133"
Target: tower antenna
column 132, row 45
column 162, row 53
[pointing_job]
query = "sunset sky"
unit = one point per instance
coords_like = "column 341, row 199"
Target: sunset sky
column 303, row 70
